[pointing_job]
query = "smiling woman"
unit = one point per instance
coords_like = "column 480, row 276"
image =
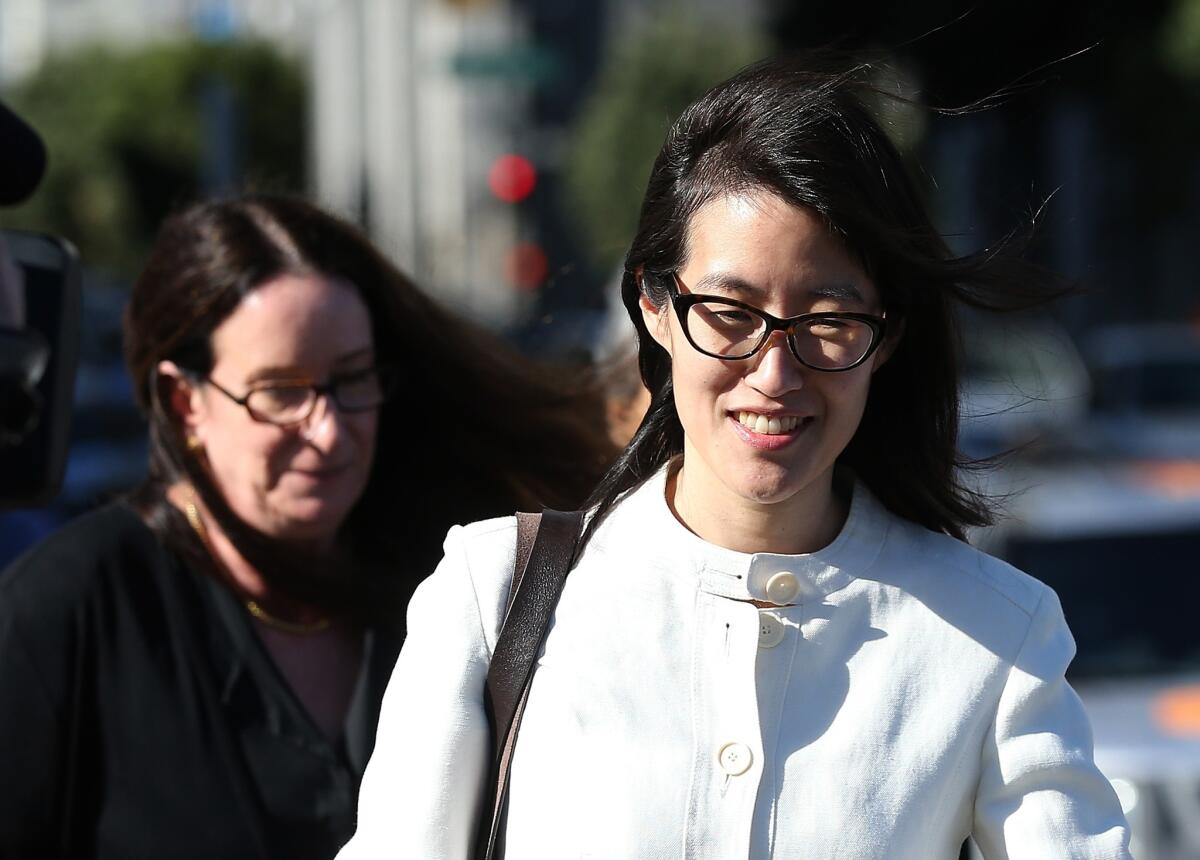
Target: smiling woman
column 773, row 641
column 196, row 671
column 734, row 411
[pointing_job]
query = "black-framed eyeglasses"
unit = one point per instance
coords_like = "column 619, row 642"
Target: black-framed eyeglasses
column 830, row 341
column 288, row 403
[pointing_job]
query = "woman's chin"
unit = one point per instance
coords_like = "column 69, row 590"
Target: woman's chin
column 308, row 520
column 776, row 483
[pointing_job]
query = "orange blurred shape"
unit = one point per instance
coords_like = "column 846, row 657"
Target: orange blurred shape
column 525, row 266
column 1178, row 711
column 1177, row 478
column 512, row 178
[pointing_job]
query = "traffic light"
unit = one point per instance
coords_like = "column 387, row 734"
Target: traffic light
column 526, row 266
column 512, row 179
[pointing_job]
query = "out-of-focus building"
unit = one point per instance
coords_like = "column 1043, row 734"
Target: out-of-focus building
column 413, row 101
column 31, row 30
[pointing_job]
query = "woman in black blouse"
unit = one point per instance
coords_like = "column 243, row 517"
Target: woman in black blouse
column 196, row 671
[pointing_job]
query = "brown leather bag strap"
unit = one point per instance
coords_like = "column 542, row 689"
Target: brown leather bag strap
column 545, row 552
column 527, row 530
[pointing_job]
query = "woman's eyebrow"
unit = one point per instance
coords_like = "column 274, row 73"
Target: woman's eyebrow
column 845, row 291
column 347, row 357
column 733, row 284
column 276, row 374
column 729, row 284
column 287, row 373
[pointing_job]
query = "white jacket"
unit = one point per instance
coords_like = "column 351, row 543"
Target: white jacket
column 912, row 694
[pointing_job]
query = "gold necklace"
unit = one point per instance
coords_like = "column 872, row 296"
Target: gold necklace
column 296, row 628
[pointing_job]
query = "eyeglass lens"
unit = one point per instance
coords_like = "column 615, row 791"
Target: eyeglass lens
column 283, row 404
column 730, row 332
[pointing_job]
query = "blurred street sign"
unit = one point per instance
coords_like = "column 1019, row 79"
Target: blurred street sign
column 525, row 63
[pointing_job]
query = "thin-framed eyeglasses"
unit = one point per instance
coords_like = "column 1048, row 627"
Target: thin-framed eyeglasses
column 287, row 403
column 829, row 341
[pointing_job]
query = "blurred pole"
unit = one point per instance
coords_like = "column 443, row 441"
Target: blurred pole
column 338, row 125
column 391, row 126
column 365, row 121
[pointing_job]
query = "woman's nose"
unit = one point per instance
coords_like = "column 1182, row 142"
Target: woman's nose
column 776, row 370
column 323, row 424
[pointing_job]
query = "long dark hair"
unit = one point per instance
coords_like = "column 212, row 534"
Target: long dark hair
column 474, row 431
column 800, row 128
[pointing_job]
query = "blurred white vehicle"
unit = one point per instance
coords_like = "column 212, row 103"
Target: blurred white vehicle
column 1145, row 390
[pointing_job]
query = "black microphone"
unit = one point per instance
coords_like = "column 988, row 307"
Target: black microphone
column 22, row 158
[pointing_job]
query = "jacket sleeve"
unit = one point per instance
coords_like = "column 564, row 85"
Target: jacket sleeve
column 1040, row 794
column 422, row 786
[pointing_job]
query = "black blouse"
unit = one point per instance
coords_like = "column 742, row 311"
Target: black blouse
column 141, row 717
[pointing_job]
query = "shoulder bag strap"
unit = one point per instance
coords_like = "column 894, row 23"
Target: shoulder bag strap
column 527, row 531
column 545, row 551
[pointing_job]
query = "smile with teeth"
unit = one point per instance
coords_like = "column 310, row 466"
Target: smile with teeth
column 768, row 426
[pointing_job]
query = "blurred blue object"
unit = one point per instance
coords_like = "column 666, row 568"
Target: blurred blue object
column 571, row 336
column 215, row 20
column 1145, row 391
column 1023, row 381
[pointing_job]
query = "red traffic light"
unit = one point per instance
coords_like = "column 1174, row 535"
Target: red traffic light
column 526, row 266
column 512, row 178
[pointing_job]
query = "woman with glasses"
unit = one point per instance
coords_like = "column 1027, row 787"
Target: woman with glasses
column 775, row 641
column 196, row 671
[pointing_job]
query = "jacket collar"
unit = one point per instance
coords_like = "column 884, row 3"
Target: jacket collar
column 754, row 576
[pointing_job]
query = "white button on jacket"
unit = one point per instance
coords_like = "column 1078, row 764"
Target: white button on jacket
column 916, row 697
column 782, row 587
column 735, row 759
column 770, row 630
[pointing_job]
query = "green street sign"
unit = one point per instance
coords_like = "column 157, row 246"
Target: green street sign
column 528, row 63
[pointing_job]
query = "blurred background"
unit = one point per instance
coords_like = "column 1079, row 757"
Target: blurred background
column 498, row 149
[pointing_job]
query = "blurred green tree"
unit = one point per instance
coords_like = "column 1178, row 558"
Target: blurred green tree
column 647, row 80
column 1181, row 39
column 126, row 133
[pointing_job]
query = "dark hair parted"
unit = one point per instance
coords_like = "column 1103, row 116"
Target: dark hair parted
column 800, row 128
column 475, row 430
